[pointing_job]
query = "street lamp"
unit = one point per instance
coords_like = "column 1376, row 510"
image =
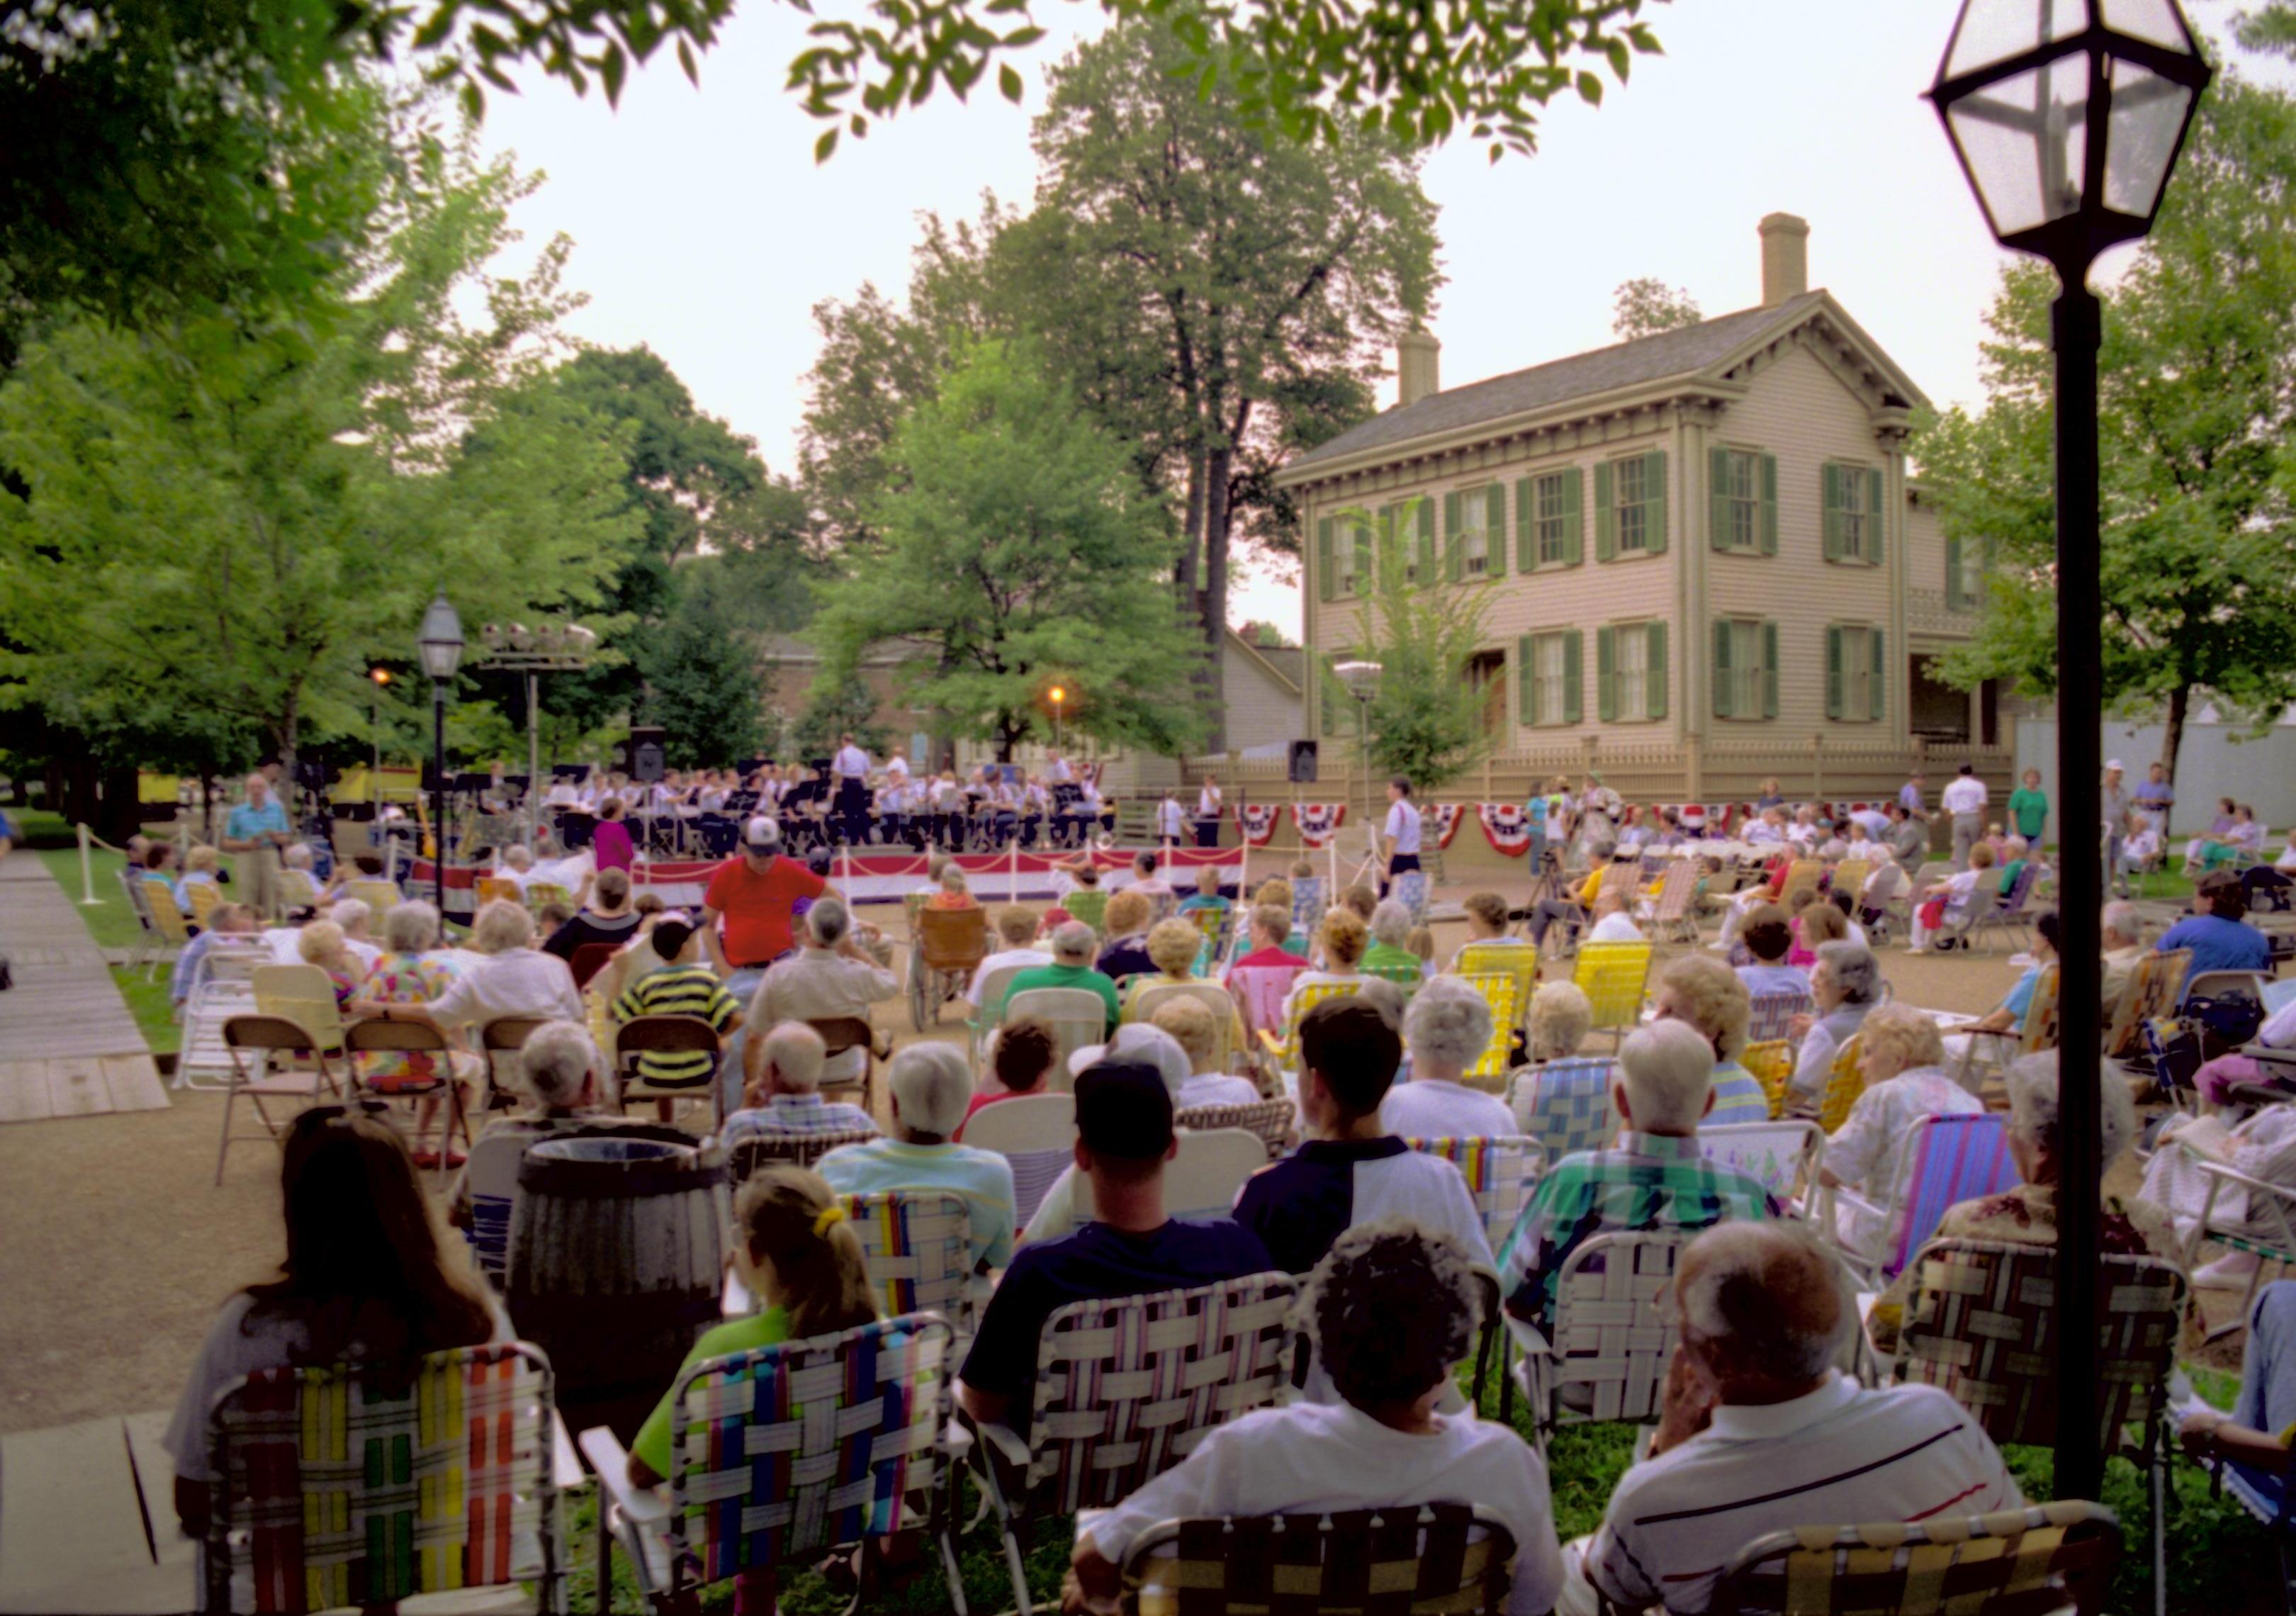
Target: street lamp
column 2067, row 116
column 1058, row 696
column 440, row 644
column 381, row 678
column 1361, row 682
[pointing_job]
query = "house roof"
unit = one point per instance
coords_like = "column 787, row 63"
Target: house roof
column 1286, row 663
column 1707, row 348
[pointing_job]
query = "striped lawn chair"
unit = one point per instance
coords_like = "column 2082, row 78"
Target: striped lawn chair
column 1781, row 1155
column 1565, row 1106
column 1285, row 1052
column 1126, row 1387
column 1951, row 1159
column 1036, row 1133
column 1613, row 1334
column 338, row 1486
column 2151, row 993
column 789, row 1150
column 1404, row 974
column 1501, row 1173
column 785, row 1453
column 1089, row 905
column 1518, row 959
column 1269, row 1121
column 1844, row 1082
column 1672, row 914
column 1981, row 1325
column 2002, row 1049
column 2045, row 1558
column 1410, row 890
column 918, row 1245
column 1450, row 1557
column 1612, row 976
column 1499, row 989
column 1771, row 1015
column 1772, row 1063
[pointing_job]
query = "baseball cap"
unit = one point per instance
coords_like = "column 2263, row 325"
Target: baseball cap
column 1124, row 1111
column 2113, row 767
column 1140, row 1044
column 761, row 833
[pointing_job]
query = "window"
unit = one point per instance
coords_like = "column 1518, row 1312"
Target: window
column 1856, row 677
column 1633, row 670
column 1630, row 672
column 1630, row 506
column 1345, row 562
column 1474, row 536
column 1556, row 524
column 1549, row 668
column 1965, row 573
column 1547, row 675
column 1634, row 517
column 1738, row 500
column 1745, row 668
column 1853, row 514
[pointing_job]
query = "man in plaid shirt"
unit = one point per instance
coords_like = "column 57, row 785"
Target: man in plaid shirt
column 783, row 1093
column 1655, row 1179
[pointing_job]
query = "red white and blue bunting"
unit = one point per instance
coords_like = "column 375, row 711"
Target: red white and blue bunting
column 1448, row 815
column 1318, row 822
column 1256, row 823
column 1506, row 826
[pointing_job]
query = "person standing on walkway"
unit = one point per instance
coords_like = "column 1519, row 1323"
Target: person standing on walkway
column 1965, row 797
column 852, row 769
column 254, row 832
column 2113, row 803
column 1401, row 831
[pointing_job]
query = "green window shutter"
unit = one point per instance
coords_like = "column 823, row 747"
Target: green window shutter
column 1526, row 534
column 1769, row 669
column 1833, row 672
column 1324, row 551
column 1606, row 676
column 1572, row 649
column 1426, row 520
column 1877, row 525
column 1829, row 476
column 1880, row 688
column 1656, row 680
column 1366, row 558
column 1769, row 505
column 1452, row 559
column 1955, row 599
column 1494, row 529
column 1654, row 500
column 1574, row 513
column 1606, row 520
column 1718, row 498
column 1722, row 668
column 1526, row 680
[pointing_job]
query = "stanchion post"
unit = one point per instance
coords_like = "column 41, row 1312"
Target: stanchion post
column 87, row 898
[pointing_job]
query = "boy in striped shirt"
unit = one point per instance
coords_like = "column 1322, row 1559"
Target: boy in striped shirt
column 682, row 986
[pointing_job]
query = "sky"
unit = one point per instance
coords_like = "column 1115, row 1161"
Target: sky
column 704, row 230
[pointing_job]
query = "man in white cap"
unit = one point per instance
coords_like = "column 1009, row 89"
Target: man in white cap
column 754, row 894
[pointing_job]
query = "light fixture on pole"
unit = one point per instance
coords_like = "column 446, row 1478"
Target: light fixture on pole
column 440, row 646
column 380, row 676
column 2067, row 116
column 1361, row 680
column 1058, row 696
column 554, row 648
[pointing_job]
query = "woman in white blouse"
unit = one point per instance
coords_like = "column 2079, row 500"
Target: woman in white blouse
column 1902, row 1057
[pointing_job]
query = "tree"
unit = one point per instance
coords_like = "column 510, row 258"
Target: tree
column 2197, row 416
column 1425, row 720
column 1221, row 301
column 1017, row 543
column 1266, row 635
column 843, row 706
column 1646, row 306
column 228, row 524
column 703, row 685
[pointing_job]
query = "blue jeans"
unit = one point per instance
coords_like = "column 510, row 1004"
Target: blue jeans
column 743, row 986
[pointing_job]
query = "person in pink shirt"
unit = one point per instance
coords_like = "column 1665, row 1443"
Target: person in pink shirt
column 1262, row 980
column 611, row 844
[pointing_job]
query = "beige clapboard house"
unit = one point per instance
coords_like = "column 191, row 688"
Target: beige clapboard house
column 1706, row 561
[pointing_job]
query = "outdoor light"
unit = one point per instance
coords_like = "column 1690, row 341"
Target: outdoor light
column 380, row 676
column 2067, row 116
column 1057, row 694
column 1361, row 680
column 441, row 639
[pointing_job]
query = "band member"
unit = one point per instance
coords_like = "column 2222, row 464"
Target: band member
column 851, row 770
column 1401, row 833
column 1170, row 819
column 1207, row 813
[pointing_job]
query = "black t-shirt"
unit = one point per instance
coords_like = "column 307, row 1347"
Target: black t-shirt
column 1096, row 1261
column 588, row 928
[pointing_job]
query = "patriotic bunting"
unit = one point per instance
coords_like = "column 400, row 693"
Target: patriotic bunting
column 1256, row 821
column 1506, row 826
column 1448, row 815
column 1318, row 822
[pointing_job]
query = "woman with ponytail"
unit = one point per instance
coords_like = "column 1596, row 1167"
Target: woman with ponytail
column 799, row 1256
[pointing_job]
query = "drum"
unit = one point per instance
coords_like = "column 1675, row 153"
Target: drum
column 616, row 1266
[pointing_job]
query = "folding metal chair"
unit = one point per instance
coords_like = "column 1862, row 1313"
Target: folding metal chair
column 666, row 1035
column 840, row 1034
column 377, row 1036
column 498, row 1039
column 267, row 1035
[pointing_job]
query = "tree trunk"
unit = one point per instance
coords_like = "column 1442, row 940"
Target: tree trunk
column 2180, row 702
column 1218, row 463
column 121, row 815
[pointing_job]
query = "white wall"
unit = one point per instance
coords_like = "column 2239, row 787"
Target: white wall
column 2216, row 760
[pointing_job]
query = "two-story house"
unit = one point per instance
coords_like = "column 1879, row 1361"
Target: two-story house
column 1705, row 559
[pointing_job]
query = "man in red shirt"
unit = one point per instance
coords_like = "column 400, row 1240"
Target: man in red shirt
column 754, row 894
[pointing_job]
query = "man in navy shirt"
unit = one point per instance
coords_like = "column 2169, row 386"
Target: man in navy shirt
column 1351, row 1170
column 2218, row 938
column 1124, row 1139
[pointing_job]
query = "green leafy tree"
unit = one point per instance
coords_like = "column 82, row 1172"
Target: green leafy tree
column 1646, row 306
column 704, row 686
column 2197, row 417
column 840, row 706
column 1425, row 719
column 1018, row 542
column 1266, row 635
column 229, row 524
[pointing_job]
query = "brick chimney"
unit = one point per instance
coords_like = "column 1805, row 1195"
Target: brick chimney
column 1786, row 258
column 1418, row 366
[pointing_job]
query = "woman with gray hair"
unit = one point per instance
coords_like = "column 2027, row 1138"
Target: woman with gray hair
column 1448, row 1028
column 931, row 1086
column 516, row 979
column 1901, row 1058
column 1389, row 955
column 563, row 1073
column 2027, row 1214
column 1846, row 983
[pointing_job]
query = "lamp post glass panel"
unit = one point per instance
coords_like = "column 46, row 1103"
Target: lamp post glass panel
column 441, row 647
column 2067, row 117
column 1361, row 682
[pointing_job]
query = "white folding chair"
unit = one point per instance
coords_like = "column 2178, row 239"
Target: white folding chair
column 1203, row 1180
column 1078, row 1018
column 1036, row 1133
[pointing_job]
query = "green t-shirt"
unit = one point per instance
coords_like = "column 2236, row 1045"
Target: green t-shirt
column 769, row 1328
column 1066, row 976
column 2029, row 811
column 1397, row 965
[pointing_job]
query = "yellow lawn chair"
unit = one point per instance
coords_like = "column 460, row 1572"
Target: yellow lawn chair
column 1772, row 1063
column 1284, row 1051
column 1514, row 959
column 1843, row 1085
column 1612, row 976
column 1499, row 990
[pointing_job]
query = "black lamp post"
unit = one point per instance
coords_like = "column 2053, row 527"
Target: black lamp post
column 2067, row 116
column 441, row 646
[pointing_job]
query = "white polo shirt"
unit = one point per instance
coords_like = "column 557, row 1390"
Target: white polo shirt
column 1839, row 1456
column 1403, row 826
column 1169, row 817
column 851, row 760
column 1318, row 1459
column 1428, row 1108
column 1964, row 794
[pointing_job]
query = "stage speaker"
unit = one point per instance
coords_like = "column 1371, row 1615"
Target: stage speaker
column 1302, row 762
column 642, row 755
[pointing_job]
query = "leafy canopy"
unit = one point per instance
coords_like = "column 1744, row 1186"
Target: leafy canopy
column 1646, row 306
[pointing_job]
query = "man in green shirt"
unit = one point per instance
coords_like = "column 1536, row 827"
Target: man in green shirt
column 2029, row 809
column 1071, row 967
